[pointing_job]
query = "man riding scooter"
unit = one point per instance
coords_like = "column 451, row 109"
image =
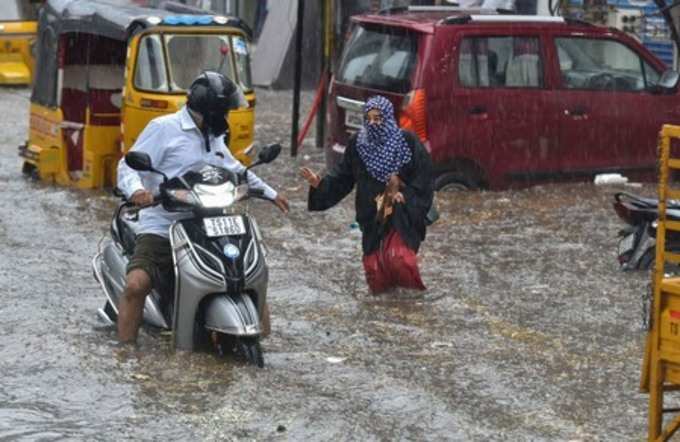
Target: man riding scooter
column 176, row 143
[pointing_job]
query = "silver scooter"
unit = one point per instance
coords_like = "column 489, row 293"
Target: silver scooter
column 221, row 276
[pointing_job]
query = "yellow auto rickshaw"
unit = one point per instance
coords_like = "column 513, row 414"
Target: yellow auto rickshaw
column 105, row 69
column 18, row 24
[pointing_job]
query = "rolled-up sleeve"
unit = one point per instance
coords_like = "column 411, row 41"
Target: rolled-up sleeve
column 151, row 142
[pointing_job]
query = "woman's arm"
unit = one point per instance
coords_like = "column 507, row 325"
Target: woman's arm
column 336, row 185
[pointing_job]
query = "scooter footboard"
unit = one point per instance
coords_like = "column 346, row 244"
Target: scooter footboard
column 232, row 314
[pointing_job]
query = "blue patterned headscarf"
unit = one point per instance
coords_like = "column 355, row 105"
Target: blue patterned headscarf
column 382, row 147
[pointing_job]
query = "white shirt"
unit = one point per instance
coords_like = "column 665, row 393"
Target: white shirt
column 176, row 146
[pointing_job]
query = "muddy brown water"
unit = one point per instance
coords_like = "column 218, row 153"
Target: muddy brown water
column 528, row 330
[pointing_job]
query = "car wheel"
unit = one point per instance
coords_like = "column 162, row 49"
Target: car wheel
column 454, row 182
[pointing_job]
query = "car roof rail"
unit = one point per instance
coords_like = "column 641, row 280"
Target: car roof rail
column 457, row 20
column 451, row 8
column 467, row 15
column 495, row 17
column 576, row 21
column 393, row 10
column 456, row 8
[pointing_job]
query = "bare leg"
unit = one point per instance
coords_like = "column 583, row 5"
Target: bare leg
column 131, row 306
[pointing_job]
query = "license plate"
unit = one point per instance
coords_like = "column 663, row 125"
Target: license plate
column 353, row 119
column 626, row 244
column 224, row 226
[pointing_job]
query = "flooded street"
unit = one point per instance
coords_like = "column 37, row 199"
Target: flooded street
column 528, row 330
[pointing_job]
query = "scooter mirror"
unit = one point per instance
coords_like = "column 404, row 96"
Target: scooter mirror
column 138, row 161
column 269, row 153
column 253, row 149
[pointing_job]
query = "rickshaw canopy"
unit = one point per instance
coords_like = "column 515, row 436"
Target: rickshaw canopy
column 112, row 19
column 119, row 19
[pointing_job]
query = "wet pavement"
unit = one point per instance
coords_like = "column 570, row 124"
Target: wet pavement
column 528, row 330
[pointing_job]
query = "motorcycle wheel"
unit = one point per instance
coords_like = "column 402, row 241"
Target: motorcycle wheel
column 252, row 350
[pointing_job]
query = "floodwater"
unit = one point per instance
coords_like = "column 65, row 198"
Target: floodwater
column 528, row 331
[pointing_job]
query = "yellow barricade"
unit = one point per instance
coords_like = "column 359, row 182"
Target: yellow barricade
column 661, row 366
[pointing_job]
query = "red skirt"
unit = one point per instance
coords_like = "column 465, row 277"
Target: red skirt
column 394, row 264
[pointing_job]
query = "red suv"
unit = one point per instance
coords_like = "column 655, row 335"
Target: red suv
column 506, row 100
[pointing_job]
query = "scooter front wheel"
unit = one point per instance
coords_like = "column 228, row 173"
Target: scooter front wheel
column 252, row 350
column 246, row 347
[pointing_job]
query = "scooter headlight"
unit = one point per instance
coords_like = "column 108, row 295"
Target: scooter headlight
column 183, row 196
column 222, row 195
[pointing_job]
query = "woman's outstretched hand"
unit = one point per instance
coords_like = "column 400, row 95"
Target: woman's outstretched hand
column 312, row 178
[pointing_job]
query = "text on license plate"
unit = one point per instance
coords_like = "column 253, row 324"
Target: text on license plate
column 353, row 119
column 224, row 225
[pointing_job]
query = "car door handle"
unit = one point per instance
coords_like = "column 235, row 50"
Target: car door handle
column 477, row 110
column 578, row 111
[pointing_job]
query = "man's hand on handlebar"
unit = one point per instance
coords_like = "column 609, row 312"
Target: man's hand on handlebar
column 142, row 198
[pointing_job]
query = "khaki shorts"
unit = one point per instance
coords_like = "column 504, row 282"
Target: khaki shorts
column 153, row 254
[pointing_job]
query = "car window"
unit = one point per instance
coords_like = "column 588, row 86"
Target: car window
column 500, row 62
column 379, row 58
column 602, row 64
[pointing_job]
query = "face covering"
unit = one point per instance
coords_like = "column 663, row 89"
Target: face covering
column 377, row 132
column 382, row 146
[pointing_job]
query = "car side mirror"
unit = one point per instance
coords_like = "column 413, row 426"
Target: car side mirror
column 668, row 82
column 139, row 161
column 269, row 153
column 669, row 79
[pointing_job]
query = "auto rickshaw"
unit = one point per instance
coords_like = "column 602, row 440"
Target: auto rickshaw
column 18, row 24
column 104, row 71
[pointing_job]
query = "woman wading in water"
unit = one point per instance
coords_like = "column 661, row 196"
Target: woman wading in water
column 392, row 172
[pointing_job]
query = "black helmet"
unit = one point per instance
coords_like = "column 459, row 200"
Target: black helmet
column 213, row 95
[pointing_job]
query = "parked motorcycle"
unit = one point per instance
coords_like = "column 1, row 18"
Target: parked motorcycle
column 637, row 243
column 221, row 276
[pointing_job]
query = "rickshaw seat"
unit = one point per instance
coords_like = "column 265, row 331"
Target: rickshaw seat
column 73, row 105
column 103, row 111
column 99, row 92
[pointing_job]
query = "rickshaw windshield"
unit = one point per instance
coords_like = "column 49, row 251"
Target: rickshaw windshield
column 19, row 10
column 187, row 56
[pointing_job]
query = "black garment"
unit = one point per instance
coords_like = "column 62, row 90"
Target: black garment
column 408, row 219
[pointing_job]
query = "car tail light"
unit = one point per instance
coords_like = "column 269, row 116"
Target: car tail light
column 413, row 114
